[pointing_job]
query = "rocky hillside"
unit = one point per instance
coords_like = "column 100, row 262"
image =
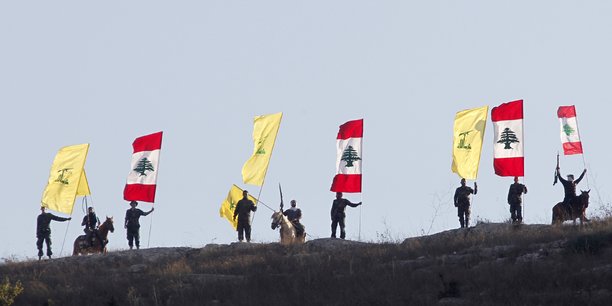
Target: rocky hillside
column 489, row 264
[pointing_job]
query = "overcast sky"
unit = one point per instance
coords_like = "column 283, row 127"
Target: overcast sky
column 105, row 73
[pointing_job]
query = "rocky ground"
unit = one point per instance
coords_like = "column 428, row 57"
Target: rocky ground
column 489, row 264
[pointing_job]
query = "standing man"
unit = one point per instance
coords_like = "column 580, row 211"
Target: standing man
column 515, row 199
column 91, row 223
column 294, row 215
column 462, row 202
column 132, row 223
column 569, row 187
column 43, row 231
column 338, row 214
column 243, row 212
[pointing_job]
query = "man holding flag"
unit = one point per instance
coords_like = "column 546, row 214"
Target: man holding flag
column 67, row 180
column 468, row 131
column 572, row 145
column 508, row 152
column 349, row 144
column 43, row 230
column 141, row 183
column 243, row 212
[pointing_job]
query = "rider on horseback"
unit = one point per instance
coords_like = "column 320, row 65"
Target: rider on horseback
column 569, row 186
column 91, row 223
column 294, row 215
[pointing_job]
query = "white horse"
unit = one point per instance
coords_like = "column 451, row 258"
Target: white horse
column 287, row 230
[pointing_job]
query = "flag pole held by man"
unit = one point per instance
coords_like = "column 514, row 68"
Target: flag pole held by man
column 67, row 180
column 468, row 134
column 141, row 182
column 508, row 152
column 348, row 172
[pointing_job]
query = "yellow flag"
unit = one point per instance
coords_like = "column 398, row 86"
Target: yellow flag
column 468, row 133
column 67, row 179
column 264, row 135
column 229, row 205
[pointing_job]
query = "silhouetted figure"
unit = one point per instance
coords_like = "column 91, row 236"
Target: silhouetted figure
column 91, row 223
column 294, row 215
column 515, row 199
column 43, row 230
column 132, row 224
column 462, row 202
column 569, row 186
column 243, row 212
column 337, row 214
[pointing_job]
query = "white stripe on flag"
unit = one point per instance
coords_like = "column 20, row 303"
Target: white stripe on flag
column 151, row 176
column 343, row 144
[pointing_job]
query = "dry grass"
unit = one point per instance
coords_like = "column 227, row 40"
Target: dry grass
column 492, row 264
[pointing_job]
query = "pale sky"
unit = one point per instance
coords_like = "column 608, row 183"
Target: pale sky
column 105, row 73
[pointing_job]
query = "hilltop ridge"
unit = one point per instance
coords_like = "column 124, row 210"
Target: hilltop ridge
column 489, row 264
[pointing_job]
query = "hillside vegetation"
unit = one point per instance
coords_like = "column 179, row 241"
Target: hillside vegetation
column 489, row 264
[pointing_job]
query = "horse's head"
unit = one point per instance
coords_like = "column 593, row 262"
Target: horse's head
column 584, row 198
column 277, row 219
column 109, row 224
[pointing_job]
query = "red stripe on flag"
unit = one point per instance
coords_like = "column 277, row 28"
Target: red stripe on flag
column 346, row 183
column 139, row 192
column 508, row 111
column 513, row 166
column 566, row 111
column 351, row 129
column 148, row 143
column 571, row 148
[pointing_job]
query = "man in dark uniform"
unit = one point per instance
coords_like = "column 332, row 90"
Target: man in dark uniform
column 43, row 231
column 132, row 223
column 569, row 187
column 91, row 223
column 462, row 202
column 294, row 215
column 338, row 214
column 515, row 200
column 243, row 212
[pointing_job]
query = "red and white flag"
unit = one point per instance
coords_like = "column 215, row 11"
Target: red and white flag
column 142, row 179
column 348, row 160
column 508, row 146
column 569, row 130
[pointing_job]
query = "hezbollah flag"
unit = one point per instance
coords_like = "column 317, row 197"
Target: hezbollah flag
column 468, row 133
column 67, row 179
column 265, row 129
column 229, row 205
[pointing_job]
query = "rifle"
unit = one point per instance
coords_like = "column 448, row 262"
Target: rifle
column 556, row 170
column 281, row 196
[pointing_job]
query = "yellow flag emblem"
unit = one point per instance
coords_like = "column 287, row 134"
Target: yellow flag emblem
column 468, row 134
column 229, row 205
column 67, row 179
column 265, row 129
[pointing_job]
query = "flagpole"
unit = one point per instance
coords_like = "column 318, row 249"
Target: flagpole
column 266, row 172
column 361, row 193
column 524, row 176
column 84, row 200
column 150, row 227
column 583, row 157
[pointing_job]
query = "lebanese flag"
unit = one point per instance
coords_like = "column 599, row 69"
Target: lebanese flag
column 569, row 130
column 508, row 146
column 348, row 158
column 142, row 179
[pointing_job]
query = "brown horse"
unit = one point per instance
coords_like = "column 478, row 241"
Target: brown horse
column 579, row 206
column 287, row 230
column 82, row 245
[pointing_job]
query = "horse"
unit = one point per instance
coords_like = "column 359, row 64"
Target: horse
column 82, row 244
column 579, row 206
column 287, row 229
